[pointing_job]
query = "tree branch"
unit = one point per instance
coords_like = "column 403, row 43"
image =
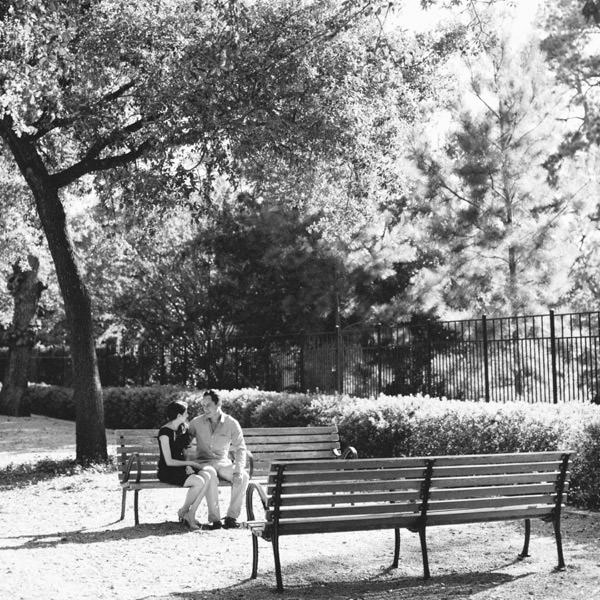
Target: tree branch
column 91, row 165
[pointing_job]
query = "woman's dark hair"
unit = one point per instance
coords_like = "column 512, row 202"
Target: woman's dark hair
column 177, row 407
column 213, row 395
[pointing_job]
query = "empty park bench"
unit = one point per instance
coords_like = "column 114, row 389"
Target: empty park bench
column 413, row 493
column 137, row 454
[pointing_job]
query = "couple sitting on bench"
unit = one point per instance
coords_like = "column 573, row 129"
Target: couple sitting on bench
column 215, row 433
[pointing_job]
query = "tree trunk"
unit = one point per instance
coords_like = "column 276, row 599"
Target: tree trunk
column 87, row 392
column 26, row 290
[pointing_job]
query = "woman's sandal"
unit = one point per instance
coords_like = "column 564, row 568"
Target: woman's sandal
column 191, row 522
column 181, row 515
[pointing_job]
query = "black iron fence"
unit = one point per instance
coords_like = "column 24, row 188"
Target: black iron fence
column 547, row 358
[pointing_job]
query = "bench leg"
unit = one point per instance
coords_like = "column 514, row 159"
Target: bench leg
column 396, row 547
column 123, row 498
column 426, row 574
column 525, row 551
column 135, row 507
column 254, row 557
column 557, row 535
column 275, row 542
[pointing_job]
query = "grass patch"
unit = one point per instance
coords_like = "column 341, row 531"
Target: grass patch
column 23, row 474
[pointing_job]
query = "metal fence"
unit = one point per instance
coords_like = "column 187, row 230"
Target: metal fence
column 545, row 358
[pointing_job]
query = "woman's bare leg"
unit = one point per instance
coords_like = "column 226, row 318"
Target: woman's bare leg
column 197, row 485
column 209, row 474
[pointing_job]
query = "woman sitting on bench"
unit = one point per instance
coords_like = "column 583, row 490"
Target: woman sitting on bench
column 173, row 438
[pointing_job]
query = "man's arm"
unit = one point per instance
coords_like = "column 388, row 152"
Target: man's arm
column 193, row 436
column 238, row 446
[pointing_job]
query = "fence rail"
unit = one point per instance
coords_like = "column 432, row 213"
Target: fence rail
column 547, row 358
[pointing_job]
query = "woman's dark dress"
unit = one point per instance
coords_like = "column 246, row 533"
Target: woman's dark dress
column 178, row 441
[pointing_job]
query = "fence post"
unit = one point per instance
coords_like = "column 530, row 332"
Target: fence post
column 428, row 370
column 236, row 358
column 302, row 378
column 379, row 361
column 486, row 368
column 339, row 360
column 553, row 358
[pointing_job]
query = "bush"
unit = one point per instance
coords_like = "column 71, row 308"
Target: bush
column 124, row 408
column 388, row 426
column 585, row 471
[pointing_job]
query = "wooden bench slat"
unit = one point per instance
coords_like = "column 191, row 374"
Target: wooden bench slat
column 257, row 440
column 511, row 457
column 347, row 523
column 520, row 467
column 305, row 500
column 304, row 454
column 349, row 486
column 273, row 431
column 491, row 480
column 337, row 510
column 151, row 449
column 480, row 492
column 291, row 446
column 477, row 516
column 470, row 503
column 352, row 475
column 357, row 463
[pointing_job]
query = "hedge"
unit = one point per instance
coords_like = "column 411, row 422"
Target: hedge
column 387, row 426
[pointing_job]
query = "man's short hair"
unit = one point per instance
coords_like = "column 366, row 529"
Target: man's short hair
column 177, row 407
column 213, row 395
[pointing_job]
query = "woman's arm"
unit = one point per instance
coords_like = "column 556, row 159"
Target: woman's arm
column 163, row 440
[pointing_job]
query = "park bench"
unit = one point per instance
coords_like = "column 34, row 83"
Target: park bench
column 137, row 454
column 412, row 493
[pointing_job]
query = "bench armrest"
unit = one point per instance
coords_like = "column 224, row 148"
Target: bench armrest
column 127, row 470
column 253, row 486
column 348, row 453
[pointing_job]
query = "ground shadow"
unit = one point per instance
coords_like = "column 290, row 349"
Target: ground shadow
column 84, row 536
column 456, row 585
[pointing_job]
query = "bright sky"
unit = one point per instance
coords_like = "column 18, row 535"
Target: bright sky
column 412, row 16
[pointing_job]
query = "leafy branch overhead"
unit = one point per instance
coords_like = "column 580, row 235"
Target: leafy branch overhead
column 96, row 85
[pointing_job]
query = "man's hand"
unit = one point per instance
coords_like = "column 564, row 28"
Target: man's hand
column 237, row 478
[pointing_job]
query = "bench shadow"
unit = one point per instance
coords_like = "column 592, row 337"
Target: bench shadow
column 86, row 536
column 463, row 585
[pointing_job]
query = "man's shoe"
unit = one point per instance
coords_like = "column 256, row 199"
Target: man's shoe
column 214, row 525
column 230, row 523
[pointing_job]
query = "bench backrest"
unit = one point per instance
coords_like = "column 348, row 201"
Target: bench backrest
column 344, row 495
column 494, row 486
column 310, row 496
column 291, row 444
column 265, row 444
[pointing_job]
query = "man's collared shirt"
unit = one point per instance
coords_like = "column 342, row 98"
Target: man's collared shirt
column 215, row 445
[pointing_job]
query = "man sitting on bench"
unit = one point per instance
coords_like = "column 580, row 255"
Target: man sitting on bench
column 216, row 434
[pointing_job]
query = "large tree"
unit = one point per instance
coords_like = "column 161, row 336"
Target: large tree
column 492, row 219
column 94, row 87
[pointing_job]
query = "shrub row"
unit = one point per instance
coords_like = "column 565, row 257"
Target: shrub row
column 388, row 426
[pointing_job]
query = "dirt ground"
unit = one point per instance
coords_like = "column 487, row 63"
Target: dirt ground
column 60, row 539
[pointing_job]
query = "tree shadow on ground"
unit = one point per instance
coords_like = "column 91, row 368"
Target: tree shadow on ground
column 84, row 536
column 462, row 585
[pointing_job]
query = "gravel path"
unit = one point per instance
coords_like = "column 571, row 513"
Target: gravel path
column 60, row 540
